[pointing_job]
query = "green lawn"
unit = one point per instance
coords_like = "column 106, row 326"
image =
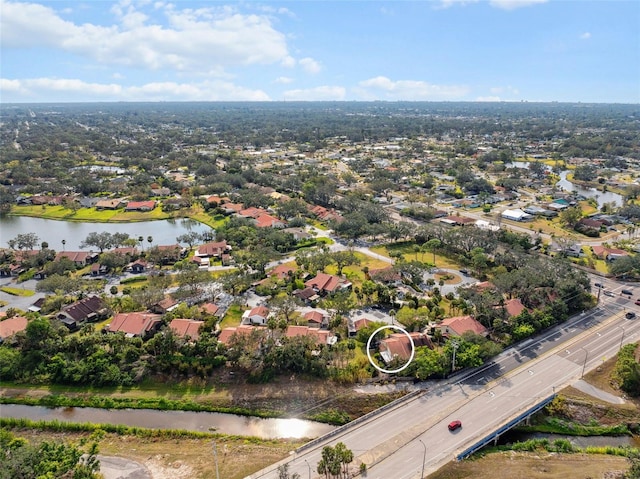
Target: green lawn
column 17, row 291
column 232, row 317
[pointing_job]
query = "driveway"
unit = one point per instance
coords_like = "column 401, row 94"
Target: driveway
column 19, row 302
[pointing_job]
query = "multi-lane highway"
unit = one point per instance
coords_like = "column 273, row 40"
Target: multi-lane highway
column 402, row 441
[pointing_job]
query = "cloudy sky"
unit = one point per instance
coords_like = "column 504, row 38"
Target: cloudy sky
column 453, row 50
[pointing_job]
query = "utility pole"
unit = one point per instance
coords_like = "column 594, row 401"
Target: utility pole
column 454, row 345
column 424, row 457
column 215, row 457
column 586, row 355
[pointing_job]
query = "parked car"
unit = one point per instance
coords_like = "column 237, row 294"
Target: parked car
column 598, row 285
column 630, row 314
column 627, row 291
column 453, row 425
column 637, row 303
column 608, row 293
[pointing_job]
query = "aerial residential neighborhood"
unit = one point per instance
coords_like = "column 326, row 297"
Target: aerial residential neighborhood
column 295, row 261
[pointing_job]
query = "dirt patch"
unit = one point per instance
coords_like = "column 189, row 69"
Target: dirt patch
column 535, row 466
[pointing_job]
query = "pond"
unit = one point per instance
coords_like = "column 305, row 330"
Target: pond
column 600, row 196
column 163, row 232
column 564, row 184
column 187, row 420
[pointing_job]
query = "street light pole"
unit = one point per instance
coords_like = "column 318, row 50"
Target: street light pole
column 424, row 457
column 215, row 456
column 622, row 338
column 454, row 345
column 586, row 355
column 309, row 468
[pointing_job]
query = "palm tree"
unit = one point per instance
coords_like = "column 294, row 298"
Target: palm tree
column 140, row 240
column 150, row 239
column 64, row 242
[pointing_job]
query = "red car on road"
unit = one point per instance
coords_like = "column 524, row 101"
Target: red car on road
column 453, row 425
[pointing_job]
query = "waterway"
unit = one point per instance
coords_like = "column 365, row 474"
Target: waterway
column 163, row 232
column 578, row 441
column 186, row 420
column 601, row 197
column 564, row 184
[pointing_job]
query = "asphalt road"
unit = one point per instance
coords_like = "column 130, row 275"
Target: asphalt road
column 394, row 444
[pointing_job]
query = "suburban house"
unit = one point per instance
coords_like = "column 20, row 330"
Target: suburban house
column 513, row 307
column 211, row 308
column 458, row 325
column 398, row 345
column 110, row 204
column 456, row 220
column 79, row 258
column 140, row 324
column 389, row 276
column 91, row 308
column 609, row 254
column 282, row 271
column 212, row 250
column 165, row 305
column 307, row 294
column 516, row 215
column 325, row 283
column 316, row 319
column 227, row 334
column 138, row 266
column 321, row 336
column 257, row 315
column 172, row 253
column 186, row 328
column 97, row 269
column 11, row 326
column 140, row 205
column 354, row 326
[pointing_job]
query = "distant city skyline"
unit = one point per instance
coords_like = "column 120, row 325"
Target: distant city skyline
column 440, row 50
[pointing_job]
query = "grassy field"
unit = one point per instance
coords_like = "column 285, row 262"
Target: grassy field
column 113, row 216
column 184, row 458
column 516, row 465
column 17, row 291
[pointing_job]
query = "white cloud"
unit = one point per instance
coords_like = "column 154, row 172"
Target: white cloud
column 284, row 80
column 383, row 88
column 288, row 62
column 321, row 93
column 585, row 36
column 209, row 38
column 63, row 89
column 310, row 65
column 513, row 4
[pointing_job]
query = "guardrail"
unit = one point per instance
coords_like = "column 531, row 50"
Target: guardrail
column 361, row 419
column 491, row 437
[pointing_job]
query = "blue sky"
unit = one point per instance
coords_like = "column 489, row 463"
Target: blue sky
column 439, row 50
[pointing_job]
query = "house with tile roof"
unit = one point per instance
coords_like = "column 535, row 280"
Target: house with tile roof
column 137, row 324
column 324, row 283
column 458, row 325
column 11, row 326
column 186, row 328
column 398, row 345
column 227, row 334
column 257, row 315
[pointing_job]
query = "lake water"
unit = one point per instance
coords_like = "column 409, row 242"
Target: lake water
column 566, row 185
column 601, row 197
column 187, row 420
column 163, row 232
